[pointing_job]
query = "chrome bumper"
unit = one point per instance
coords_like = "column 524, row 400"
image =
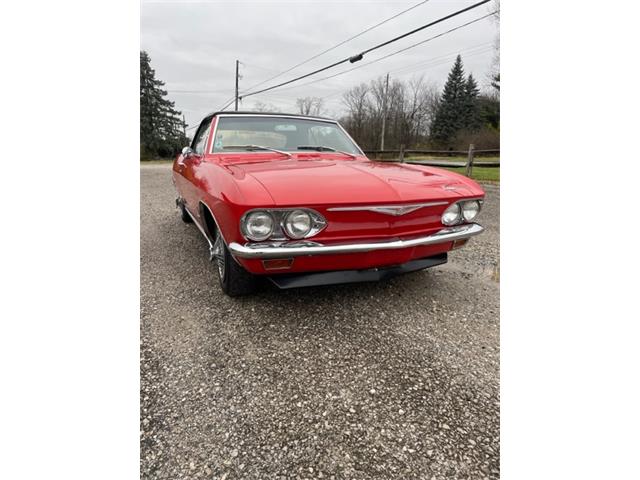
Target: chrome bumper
column 297, row 249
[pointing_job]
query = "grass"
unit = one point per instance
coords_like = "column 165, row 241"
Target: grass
column 450, row 159
column 481, row 174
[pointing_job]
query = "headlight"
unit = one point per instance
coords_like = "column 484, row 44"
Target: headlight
column 451, row 215
column 298, row 224
column 257, row 226
column 470, row 210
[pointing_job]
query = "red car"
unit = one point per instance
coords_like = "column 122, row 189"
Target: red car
column 294, row 199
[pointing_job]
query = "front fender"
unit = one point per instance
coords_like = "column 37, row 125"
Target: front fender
column 228, row 194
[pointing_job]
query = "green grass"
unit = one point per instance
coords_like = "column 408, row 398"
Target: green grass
column 481, row 174
column 450, row 159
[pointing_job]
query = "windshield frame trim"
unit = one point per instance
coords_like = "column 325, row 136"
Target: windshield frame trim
column 297, row 117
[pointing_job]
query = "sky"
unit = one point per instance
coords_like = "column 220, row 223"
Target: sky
column 194, row 45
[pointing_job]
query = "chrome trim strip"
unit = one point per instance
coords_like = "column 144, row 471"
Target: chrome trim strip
column 231, row 113
column 445, row 235
column 387, row 209
column 351, row 138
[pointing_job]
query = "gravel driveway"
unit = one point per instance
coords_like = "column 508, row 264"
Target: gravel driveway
column 398, row 379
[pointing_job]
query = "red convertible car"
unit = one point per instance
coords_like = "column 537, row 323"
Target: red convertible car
column 293, row 198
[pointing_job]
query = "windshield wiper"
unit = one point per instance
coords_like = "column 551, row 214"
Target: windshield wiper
column 321, row 148
column 258, row 147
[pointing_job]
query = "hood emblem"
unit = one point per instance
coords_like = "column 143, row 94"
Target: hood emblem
column 395, row 210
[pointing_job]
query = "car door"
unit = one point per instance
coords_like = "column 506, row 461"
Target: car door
column 191, row 162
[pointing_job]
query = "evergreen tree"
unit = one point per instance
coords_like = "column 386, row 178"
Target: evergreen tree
column 489, row 106
column 472, row 121
column 161, row 127
column 450, row 117
column 495, row 82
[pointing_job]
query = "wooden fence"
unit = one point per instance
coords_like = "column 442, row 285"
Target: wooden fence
column 471, row 155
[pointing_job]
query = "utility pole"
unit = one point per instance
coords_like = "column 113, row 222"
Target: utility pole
column 237, row 75
column 184, row 126
column 384, row 112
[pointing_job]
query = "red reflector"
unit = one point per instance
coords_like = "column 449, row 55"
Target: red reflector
column 460, row 243
column 278, row 264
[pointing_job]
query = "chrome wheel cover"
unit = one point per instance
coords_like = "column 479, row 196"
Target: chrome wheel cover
column 218, row 254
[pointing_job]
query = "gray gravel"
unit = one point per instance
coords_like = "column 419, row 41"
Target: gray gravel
column 398, row 379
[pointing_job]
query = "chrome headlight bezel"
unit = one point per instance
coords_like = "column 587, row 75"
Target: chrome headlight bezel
column 453, row 208
column 290, row 220
column 245, row 225
column 471, row 217
column 282, row 230
column 461, row 216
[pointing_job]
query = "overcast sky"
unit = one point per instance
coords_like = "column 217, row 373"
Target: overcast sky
column 194, row 44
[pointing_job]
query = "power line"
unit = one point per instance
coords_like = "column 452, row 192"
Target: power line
column 422, row 65
column 338, row 44
column 425, row 64
column 244, row 64
column 477, row 50
column 394, row 53
column 233, row 99
column 359, row 56
column 432, row 38
column 197, row 91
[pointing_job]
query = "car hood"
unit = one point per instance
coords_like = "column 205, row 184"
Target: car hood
column 322, row 181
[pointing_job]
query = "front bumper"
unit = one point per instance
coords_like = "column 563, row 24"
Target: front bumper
column 297, row 249
column 316, row 279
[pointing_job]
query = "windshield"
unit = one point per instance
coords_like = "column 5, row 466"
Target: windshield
column 245, row 133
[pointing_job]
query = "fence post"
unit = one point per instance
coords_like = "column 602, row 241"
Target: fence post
column 469, row 167
column 402, row 153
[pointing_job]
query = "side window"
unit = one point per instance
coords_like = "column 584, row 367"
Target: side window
column 200, row 140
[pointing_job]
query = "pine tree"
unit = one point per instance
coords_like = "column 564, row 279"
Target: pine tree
column 495, row 82
column 450, row 117
column 161, row 127
column 472, row 121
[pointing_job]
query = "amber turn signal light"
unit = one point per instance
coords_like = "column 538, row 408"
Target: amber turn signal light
column 278, row 264
column 460, row 243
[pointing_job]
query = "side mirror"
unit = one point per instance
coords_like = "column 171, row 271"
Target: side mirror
column 187, row 152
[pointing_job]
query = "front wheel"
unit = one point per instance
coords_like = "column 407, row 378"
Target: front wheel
column 186, row 218
column 234, row 279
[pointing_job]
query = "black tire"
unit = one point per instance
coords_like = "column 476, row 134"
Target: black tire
column 186, row 218
column 234, row 280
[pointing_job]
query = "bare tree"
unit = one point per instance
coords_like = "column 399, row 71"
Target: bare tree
column 310, row 105
column 396, row 114
column 410, row 109
column 379, row 94
column 494, row 73
column 421, row 106
column 356, row 102
column 264, row 107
